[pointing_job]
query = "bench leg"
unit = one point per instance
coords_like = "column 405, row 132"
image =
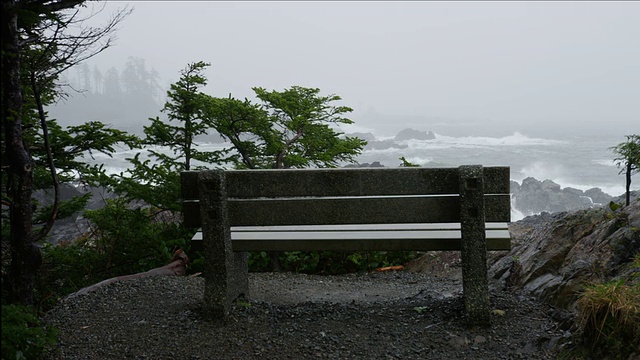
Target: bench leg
column 474, row 246
column 226, row 272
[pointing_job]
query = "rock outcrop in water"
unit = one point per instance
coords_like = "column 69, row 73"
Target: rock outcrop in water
column 534, row 197
column 407, row 134
column 412, row 134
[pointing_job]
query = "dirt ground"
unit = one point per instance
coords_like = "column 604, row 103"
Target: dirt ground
column 389, row 315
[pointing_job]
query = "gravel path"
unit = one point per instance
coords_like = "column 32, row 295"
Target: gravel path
column 393, row 315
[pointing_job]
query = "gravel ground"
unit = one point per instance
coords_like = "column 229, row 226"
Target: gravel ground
column 391, row 315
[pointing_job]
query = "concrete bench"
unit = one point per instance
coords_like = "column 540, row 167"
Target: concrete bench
column 361, row 209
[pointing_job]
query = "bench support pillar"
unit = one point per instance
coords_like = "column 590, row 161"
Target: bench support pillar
column 226, row 272
column 474, row 246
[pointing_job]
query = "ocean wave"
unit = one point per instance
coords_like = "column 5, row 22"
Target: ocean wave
column 604, row 162
column 516, row 139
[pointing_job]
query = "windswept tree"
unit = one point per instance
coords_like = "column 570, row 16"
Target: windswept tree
column 293, row 128
column 156, row 179
column 628, row 159
column 38, row 44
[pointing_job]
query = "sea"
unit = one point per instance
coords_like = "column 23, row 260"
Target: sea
column 581, row 162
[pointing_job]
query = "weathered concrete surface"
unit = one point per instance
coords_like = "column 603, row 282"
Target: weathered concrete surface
column 225, row 271
column 474, row 246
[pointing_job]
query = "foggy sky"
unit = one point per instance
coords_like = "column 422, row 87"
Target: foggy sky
column 559, row 65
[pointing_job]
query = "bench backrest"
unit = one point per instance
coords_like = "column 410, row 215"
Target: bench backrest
column 346, row 196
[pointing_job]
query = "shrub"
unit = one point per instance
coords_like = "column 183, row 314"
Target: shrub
column 125, row 241
column 330, row 262
column 609, row 317
column 24, row 336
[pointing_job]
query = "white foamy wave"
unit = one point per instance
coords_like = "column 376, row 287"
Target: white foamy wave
column 604, row 162
column 540, row 170
column 515, row 213
column 516, row 139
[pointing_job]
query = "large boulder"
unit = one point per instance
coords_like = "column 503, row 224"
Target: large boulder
column 598, row 196
column 412, row 134
column 364, row 165
column 364, row 136
column 534, row 197
column 554, row 255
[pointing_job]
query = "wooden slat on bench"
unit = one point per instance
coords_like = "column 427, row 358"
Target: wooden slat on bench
column 301, row 211
column 360, row 240
column 308, row 211
column 366, row 227
column 346, row 182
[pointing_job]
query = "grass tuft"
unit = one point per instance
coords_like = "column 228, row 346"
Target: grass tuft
column 609, row 317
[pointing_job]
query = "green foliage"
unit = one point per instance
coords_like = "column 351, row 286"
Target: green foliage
column 196, row 258
column 609, row 317
column 258, row 261
column 330, row 262
column 124, row 241
column 67, row 268
column 42, row 156
column 628, row 157
column 24, row 335
column 406, row 163
column 156, row 180
column 66, row 209
column 614, row 206
column 185, row 106
column 157, row 184
column 294, row 128
column 628, row 154
column 128, row 238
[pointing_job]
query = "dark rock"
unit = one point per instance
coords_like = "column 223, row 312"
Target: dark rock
column 572, row 191
column 72, row 227
column 412, row 134
column 598, row 196
column 364, row 165
column 554, row 255
column 533, row 197
column 548, row 185
column 364, row 136
column 515, row 187
column 385, row 144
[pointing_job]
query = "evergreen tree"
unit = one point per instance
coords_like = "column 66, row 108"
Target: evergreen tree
column 629, row 159
column 36, row 49
column 156, row 179
column 294, row 128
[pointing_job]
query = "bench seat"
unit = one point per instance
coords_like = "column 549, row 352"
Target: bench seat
column 369, row 237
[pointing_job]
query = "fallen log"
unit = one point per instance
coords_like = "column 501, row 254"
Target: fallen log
column 177, row 267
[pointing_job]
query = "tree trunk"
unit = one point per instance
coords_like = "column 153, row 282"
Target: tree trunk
column 177, row 267
column 25, row 254
column 628, row 182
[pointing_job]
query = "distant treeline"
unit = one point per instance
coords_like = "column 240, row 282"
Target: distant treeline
column 124, row 99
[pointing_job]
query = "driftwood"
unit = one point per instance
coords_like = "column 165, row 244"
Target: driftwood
column 177, row 267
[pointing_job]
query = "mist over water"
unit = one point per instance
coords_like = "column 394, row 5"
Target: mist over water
column 578, row 162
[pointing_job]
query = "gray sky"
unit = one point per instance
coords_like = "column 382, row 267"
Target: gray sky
column 559, row 64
